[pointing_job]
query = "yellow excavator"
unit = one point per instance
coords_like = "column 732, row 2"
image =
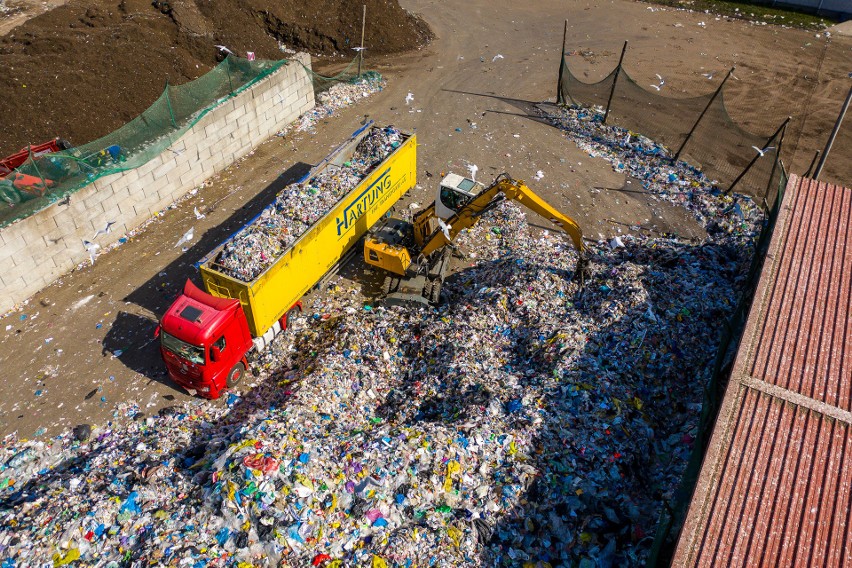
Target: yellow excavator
column 416, row 256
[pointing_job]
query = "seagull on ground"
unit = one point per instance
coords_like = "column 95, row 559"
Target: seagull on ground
column 187, row 236
column 92, row 249
column 105, row 230
column 198, row 214
column 764, row 150
column 408, row 98
column 538, row 175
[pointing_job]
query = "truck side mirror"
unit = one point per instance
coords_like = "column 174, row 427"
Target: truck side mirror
column 215, row 354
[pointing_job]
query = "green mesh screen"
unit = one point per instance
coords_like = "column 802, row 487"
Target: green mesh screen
column 353, row 71
column 718, row 146
column 45, row 179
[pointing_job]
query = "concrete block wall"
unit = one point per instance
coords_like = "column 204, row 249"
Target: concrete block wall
column 48, row 244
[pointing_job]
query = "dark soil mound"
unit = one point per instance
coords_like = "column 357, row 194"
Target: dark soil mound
column 84, row 69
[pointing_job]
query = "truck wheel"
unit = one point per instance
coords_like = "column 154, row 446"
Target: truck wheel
column 236, row 375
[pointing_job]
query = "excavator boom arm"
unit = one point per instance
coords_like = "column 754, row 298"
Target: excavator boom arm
column 525, row 196
column 507, row 188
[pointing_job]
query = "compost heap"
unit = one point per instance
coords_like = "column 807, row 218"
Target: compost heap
column 523, row 421
column 298, row 206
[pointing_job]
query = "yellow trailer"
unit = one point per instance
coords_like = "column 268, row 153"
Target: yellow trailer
column 277, row 289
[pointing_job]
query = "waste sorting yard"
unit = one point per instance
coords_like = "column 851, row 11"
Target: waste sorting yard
column 527, row 421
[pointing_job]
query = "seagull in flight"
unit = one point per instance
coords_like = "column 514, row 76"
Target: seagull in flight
column 225, row 49
column 496, row 57
column 445, row 229
column 92, row 249
column 708, row 75
column 764, row 150
column 662, row 82
column 105, row 230
column 472, row 168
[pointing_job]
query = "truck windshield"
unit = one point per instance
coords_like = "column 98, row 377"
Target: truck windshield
column 182, row 349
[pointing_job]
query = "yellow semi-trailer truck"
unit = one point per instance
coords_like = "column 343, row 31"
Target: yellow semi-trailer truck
column 205, row 337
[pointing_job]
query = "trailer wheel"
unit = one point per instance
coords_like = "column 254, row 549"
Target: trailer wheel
column 236, row 375
column 292, row 315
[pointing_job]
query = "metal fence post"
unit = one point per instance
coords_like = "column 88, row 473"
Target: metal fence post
column 757, row 156
column 833, row 135
column 361, row 51
column 560, row 98
column 169, row 104
column 614, row 81
column 703, row 112
column 228, row 70
column 775, row 162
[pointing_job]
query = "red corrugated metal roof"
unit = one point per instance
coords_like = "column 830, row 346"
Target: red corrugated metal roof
column 775, row 488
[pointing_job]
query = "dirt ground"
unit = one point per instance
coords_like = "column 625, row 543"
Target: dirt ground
column 85, row 68
column 86, row 343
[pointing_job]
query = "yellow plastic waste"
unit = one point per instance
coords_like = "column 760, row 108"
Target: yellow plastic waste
column 452, row 467
column 70, row 556
column 455, row 535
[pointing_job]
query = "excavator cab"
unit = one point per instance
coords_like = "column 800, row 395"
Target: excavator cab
column 454, row 193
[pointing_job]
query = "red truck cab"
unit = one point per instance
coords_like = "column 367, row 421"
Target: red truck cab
column 204, row 341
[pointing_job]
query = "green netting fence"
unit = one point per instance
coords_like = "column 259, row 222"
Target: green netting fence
column 351, row 73
column 42, row 180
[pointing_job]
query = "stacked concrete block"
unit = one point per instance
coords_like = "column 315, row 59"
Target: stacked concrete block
column 39, row 249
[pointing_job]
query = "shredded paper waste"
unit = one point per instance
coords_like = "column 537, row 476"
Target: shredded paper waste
column 525, row 422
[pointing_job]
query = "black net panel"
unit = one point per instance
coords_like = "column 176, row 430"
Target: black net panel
column 666, row 120
column 723, row 150
column 576, row 92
